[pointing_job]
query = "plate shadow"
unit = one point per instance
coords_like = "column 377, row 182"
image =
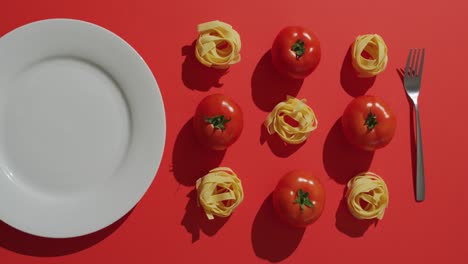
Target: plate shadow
column 31, row 245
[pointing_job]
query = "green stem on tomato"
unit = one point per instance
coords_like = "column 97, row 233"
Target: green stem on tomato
column 303, row 200
column 218, row 121
column 371, row 121
column 298, row 48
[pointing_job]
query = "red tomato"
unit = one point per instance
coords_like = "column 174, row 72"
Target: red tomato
column 368, row 123
column 296, row 52
column 218, row 121
column 299, row 198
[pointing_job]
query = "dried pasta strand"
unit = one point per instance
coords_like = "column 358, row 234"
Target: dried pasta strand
column 212, row 36
column 375, row 46
column 371, row 189
column 297, row 110
column 219, row 192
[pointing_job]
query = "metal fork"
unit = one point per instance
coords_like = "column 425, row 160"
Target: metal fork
column 412, row 83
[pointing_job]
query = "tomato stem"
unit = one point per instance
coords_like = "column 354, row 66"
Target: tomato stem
column 218, row 121
column 371, row 121
column 298, row 48
column 303, row 199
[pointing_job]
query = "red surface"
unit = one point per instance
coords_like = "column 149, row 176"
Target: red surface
column 166, row 226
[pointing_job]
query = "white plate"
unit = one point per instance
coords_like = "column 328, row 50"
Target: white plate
column 82, row 128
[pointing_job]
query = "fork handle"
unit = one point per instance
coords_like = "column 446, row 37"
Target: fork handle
column 420, row 181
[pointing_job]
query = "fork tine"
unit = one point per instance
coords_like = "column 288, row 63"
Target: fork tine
column 408, row 63
column 413, row 63
column 421, row 64
column 416, row 63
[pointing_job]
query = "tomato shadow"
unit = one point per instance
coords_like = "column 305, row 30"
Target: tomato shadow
column 351, row 83
column 26, row 244
column 341, row 160
column 272, row 239
column 197, row 76
column 191, row 160
column 349, row 225
column 413, row 146
column 276, row 144
column 195, row 219
column 270, row 87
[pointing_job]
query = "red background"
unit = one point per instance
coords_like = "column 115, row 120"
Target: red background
column 166, row 226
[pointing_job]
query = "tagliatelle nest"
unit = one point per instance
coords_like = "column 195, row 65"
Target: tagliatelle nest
column 219, row 192
column 297, row 110
column 376, row 48
column 367, row 196
column 218, row 45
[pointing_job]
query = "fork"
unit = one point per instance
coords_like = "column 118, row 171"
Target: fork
column 412, row 83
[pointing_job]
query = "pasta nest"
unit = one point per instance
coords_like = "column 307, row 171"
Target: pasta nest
column 219, row 192
column 297, row 110
column 376, row 48
column 367, row 196
column 218, row 45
